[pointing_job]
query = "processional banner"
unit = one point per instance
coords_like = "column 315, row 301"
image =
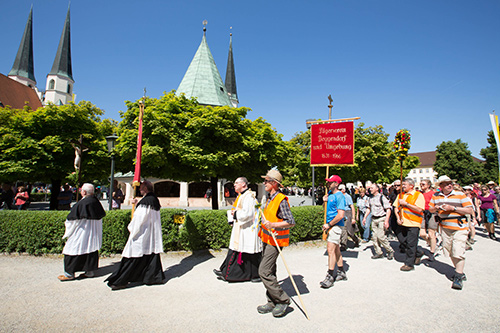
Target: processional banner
column 332, row 144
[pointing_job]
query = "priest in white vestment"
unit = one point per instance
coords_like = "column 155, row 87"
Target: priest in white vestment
column 245, row 247
column 84, row 233
column 141, row 262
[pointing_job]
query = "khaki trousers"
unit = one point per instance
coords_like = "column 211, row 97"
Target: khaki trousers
column 379, row 237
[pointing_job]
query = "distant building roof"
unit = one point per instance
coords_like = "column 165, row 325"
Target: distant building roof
column 428, row 158
column 16, row 94
column 203, row 80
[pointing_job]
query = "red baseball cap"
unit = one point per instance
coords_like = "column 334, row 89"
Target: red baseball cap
column 334, row 178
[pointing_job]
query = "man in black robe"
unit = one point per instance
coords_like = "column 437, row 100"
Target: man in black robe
column 141, row 260
column 84, row 233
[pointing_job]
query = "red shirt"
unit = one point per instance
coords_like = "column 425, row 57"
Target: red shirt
column 428, row 197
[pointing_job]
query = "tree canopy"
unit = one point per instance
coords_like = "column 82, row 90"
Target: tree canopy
column 490, row 155
column 454, row 160
column 35, row 145
column 185, row 141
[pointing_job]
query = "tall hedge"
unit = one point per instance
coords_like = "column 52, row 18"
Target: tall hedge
column 39, row 232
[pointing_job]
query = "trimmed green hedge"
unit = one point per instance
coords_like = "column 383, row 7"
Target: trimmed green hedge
column 39, row 232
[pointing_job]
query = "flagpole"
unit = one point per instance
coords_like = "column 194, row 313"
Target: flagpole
column 137, row 173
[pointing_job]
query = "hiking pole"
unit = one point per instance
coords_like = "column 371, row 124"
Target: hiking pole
column 287, row 269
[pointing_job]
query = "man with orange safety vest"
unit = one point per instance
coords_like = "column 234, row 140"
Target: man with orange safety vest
column 409, row 211
column 277, row 219
column 452, row 206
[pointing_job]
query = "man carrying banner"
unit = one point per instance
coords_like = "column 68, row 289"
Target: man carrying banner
column 245, row 247
column 277, row 218
column 335, row 209
column 141, row 260
column 410, row 219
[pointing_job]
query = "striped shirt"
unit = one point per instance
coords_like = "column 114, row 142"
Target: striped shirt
column 451, row 220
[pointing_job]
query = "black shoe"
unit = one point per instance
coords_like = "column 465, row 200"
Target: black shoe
column 221, row 278
column 492, row 236
column 343, row 248
column 217, row 272
column 457, row 282
column 113, row 287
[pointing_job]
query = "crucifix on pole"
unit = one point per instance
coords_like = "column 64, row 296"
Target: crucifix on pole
column 80, row 148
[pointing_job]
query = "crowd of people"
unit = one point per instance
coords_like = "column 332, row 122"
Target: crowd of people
column 445, row 217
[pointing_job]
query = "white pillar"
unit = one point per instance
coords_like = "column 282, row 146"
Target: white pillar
column 220, row 190
column 183, row 194
column 129, row 193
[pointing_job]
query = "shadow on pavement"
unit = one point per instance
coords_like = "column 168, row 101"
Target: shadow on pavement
column 287, row 285
column 445, row 269
column 187, row 264
column 105, row 270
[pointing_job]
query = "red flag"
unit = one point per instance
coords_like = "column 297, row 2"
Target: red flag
column 137, row 173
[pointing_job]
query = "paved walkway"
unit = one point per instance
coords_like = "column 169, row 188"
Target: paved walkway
column 376, row 298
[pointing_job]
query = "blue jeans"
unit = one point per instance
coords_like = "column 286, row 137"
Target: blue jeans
column 366, row 228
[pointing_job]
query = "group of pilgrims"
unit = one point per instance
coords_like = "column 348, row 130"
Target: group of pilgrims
column 259, row 231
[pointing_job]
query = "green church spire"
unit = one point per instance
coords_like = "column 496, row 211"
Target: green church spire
column 203, row 80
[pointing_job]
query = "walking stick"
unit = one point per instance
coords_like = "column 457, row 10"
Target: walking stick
column 287, row 269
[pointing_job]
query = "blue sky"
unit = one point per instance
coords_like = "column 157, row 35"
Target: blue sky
column 429, row 65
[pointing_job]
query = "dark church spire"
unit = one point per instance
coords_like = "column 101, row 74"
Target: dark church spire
column 23, row 64
column 230, row 82
column 62, row 62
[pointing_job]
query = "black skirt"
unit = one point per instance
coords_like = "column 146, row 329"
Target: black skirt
column 83, row 262
column 246, row 270
column 146, row 269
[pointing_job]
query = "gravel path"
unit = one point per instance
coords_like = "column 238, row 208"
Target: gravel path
column 376, row 298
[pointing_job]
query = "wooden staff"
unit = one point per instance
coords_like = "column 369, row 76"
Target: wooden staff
column 325, row 233
column 286, row 266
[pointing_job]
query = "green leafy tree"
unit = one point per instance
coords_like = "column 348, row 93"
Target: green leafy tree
column 490, row 155
column 185, row 141
column 35, row 145
column 454, row 159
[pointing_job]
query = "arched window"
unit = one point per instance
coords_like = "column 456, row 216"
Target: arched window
column 52, row 83
column 69, row 89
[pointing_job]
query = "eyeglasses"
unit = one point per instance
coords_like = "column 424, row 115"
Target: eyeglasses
column 268, row 181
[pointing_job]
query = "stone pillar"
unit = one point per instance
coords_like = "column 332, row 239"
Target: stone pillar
column 129, row 193
column 220, row 189
column 183, row 194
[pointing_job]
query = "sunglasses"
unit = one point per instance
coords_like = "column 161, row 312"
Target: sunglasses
column 268, row 181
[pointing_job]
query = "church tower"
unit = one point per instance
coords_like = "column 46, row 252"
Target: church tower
column 59, row 88
column 202, row 78
column 23, row 70
column 231, row 76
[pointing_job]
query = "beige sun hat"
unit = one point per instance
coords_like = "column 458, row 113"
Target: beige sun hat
column 274, row 175
column 444, row 179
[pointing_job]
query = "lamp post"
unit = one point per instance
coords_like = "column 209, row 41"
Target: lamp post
column 111, row 140
column 312, row 191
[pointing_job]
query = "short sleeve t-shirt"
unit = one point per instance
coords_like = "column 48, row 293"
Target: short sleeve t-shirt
column 335, row 202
